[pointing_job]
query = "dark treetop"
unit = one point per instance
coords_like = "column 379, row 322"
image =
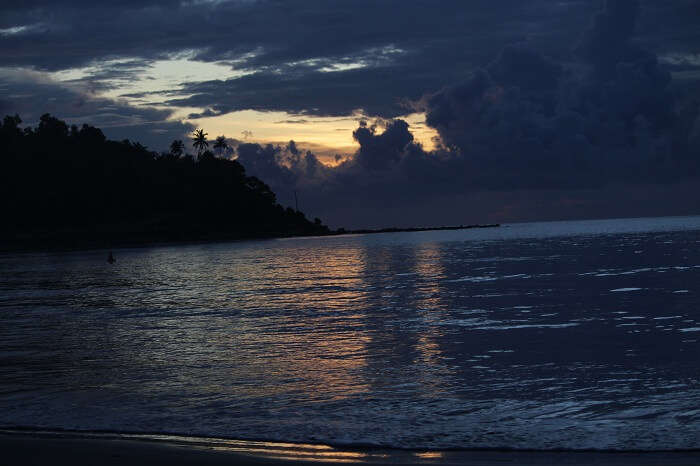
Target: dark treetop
column 66, row 186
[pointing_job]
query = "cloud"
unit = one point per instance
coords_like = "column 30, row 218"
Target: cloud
column 303, row 56
column 382, row 52
column 608, row 40
column 313, row 57
column 313, row 92
column 523, row 123
column 610, row 117
column 515, row 107
column 32, row 94
column 205, row 114
column 382, row 151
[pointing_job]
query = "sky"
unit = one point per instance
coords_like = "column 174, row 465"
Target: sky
column 389, row 113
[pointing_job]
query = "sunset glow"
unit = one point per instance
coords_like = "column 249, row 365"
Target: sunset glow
column 325, row 136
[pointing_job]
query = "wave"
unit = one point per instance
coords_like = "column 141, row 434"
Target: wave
column 261, row 445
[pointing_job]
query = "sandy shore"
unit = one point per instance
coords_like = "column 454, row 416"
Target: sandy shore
column 74, row 449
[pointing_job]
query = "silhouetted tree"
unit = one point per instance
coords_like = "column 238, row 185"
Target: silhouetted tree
column 199, row 140
column 11, row 123
column 52, row 128
column 72, row 185
column 177, row 148
column 220, row 145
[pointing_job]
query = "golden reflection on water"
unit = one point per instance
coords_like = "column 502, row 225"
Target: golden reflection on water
column 294, row 451
column 297, row 454
column 324, row 349
column 262, row 449
column 297, row 325
column 429, row 455
column 329, row 460
column 428, row 298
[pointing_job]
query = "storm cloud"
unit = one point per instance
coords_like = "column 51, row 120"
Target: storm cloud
column 314, row 57
column 524, row 122
column 611, row 115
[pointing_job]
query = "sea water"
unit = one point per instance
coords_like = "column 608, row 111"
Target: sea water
column 566, row 335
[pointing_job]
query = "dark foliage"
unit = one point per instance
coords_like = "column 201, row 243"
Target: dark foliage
column 69, row 186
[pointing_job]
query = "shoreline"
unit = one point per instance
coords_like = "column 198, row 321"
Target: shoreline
column 66, row 244
column 412, row 230
column 40, row 447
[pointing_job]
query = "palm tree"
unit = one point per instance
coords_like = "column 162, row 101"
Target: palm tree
column 220, row 145
column 177, row 148
column 200, row 141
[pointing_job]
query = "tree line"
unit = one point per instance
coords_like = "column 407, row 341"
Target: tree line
column 71, row 185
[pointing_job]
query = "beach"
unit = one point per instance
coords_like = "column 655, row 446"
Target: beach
column 30, row 449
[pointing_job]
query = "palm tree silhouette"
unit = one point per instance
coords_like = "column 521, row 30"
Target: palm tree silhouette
column 177, row 148
column 220, row 145
column 200, row 141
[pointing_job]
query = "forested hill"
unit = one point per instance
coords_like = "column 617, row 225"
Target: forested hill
column 71, row 187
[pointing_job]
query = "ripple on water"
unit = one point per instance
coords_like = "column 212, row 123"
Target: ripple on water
column 566, row 340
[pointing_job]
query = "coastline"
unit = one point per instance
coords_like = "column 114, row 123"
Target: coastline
column 414, row 229
column 85, row 242
column 82, row 448
column 82, row 241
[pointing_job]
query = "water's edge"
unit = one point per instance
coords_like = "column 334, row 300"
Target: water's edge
column 240, row 444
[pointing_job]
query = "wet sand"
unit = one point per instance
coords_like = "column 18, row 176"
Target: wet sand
column 69, row 449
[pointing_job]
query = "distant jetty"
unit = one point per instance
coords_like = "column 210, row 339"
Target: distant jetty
column 342, row 231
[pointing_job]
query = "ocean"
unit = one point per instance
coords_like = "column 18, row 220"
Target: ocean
column 558, row 335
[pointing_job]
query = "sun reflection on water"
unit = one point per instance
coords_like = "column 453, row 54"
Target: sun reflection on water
column 360, row 339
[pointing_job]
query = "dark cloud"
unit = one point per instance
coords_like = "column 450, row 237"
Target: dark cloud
column 404, row 47
column 610, row 117
column 286, row 45
column 525, row 68
column 206, row 113
column 609, row 39
column 523, row 123
column 291, row 47
column 316, row 93
column 383, row 151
